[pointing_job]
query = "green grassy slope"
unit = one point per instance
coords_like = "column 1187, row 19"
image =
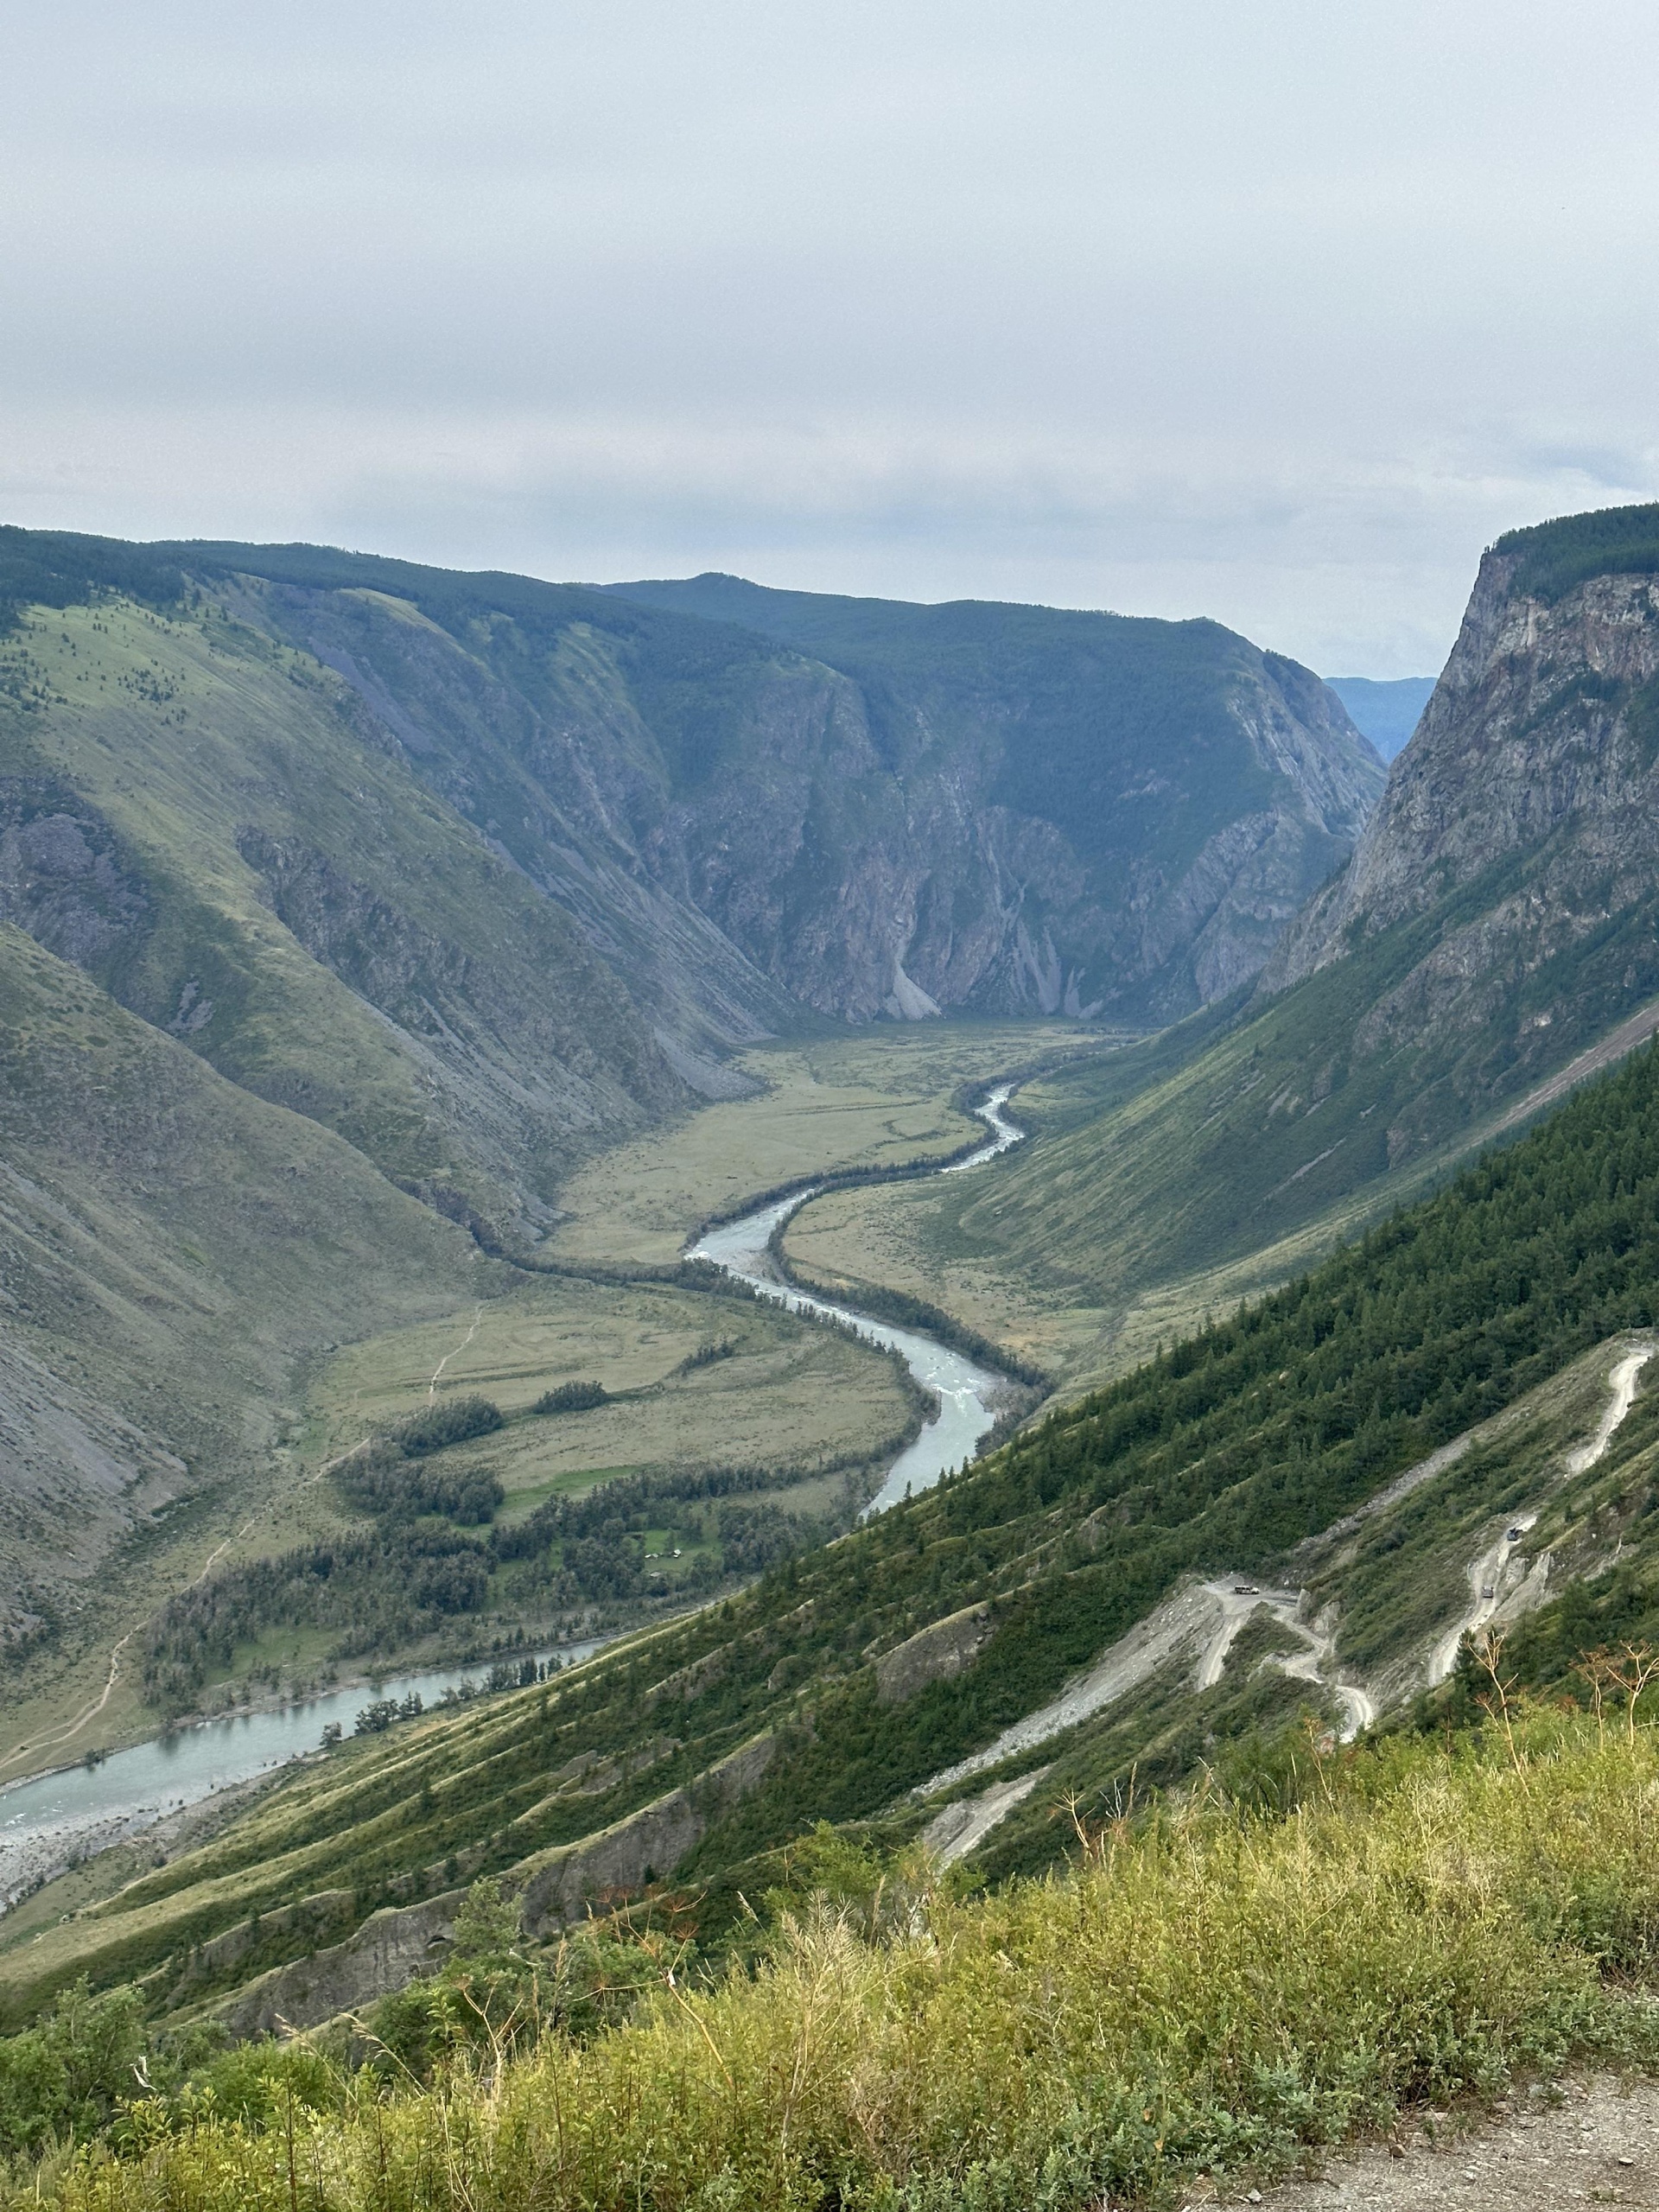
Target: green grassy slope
column 173, row 1247
column 194, row 815
column 1224, row 1454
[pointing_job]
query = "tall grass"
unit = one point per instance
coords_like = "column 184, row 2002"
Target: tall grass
column 1213, row 1991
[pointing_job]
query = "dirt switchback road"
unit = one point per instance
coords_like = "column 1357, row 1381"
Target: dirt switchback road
column 1598, row 2145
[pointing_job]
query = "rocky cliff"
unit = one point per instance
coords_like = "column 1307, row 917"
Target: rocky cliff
column 1522, row 813
column 1009, row 808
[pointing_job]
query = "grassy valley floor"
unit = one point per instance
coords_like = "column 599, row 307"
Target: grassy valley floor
column 781, row 1397
column 881, row 1097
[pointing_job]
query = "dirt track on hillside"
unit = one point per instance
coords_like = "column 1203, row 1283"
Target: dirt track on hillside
column 1598, row 2145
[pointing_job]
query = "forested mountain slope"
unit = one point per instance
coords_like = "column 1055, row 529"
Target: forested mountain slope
column 850, row 1677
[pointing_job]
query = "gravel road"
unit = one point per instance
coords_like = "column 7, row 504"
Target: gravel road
column 1598, row 2145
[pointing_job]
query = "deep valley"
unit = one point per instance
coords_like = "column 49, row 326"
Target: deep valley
column 404, row 973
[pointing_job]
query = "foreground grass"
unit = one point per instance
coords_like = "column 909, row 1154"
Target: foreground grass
column 1215, row 1992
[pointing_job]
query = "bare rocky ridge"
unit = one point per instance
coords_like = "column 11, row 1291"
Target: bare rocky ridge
column 1535, row 748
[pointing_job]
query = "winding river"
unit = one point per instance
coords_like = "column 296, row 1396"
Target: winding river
column 48, row 1822
column 964, row 1390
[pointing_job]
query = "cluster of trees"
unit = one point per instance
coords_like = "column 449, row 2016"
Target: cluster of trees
column 382, row 1481
column 50, row 568
column 590, row 1549
column 572, row 1398
column 1553, row 556
column 378, row 1715
column 391, row 1478
column 384, row 1590
column 376, row 1590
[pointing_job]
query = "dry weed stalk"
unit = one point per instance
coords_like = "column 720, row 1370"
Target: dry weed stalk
column 1635, row 1667
column 1495, row 1703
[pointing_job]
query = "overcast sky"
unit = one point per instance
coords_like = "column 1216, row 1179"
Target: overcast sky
column 1275, row 311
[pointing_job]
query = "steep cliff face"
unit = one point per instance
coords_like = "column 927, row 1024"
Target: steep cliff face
column 774, row 805
column 1025, row 808
column 1535, row 754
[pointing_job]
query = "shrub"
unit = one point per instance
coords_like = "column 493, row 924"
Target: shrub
column 573, row 1398
column 71, row 2071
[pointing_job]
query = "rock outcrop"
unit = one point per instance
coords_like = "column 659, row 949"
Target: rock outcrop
column 934, row 1654
column 1538, row 746
column 1494, row 939
column 385, row 1953
column 566, row 1882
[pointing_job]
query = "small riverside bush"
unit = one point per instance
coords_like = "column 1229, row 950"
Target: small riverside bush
column 1213, row 1991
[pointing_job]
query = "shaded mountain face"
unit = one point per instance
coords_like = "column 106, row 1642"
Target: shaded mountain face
column 1019, row 808
column 778, row 806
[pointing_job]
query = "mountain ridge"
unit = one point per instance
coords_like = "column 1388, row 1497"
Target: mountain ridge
column 1497, row 925
column 1215, row 888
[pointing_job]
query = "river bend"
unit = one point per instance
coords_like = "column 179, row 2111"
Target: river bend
column 52, row 1820
column 966, row 1391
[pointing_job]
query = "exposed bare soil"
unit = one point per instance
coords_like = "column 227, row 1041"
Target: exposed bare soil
column 1591, row 2142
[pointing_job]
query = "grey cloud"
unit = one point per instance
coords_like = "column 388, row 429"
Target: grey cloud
column 1278, row 314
